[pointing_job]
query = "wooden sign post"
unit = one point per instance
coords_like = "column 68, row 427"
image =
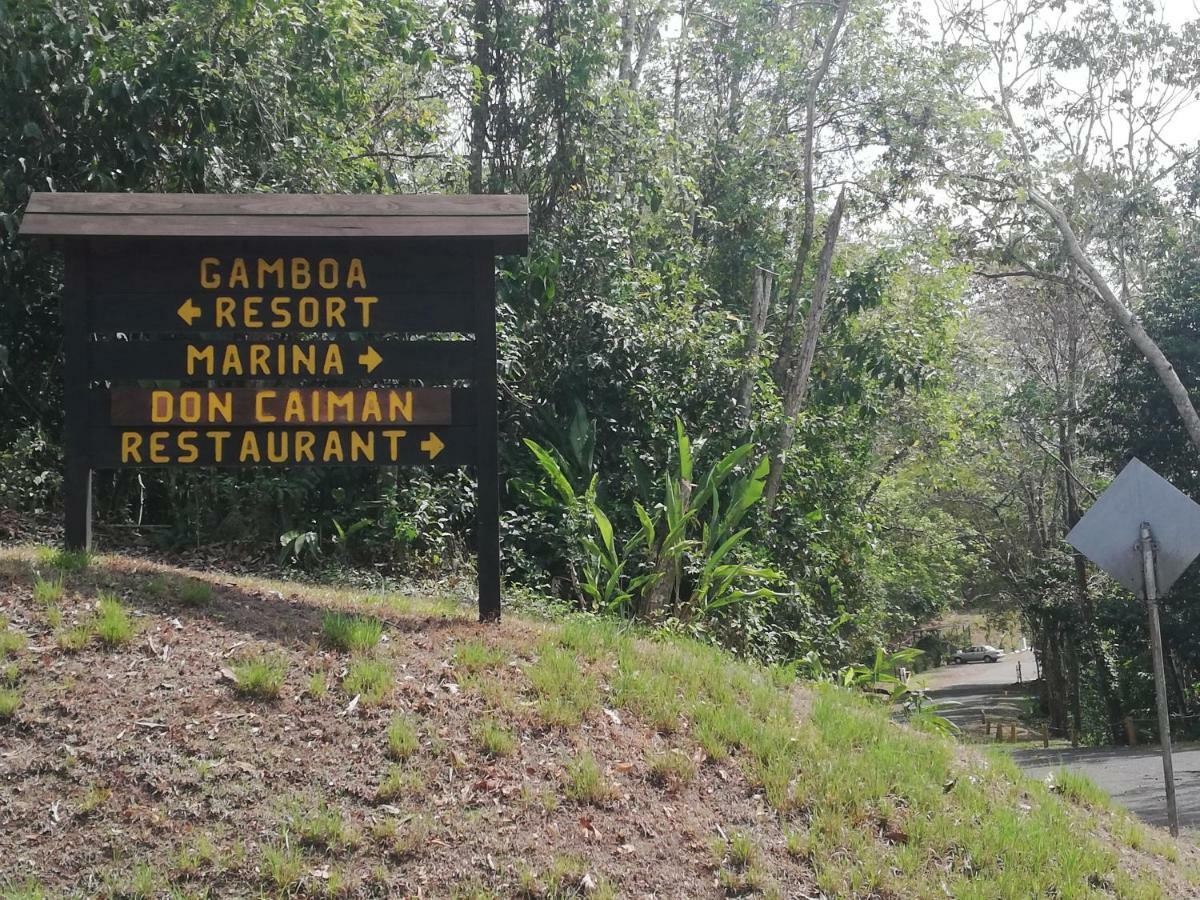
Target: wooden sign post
column 282, row 330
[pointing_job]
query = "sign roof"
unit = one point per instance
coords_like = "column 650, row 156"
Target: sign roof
column 1108, row 534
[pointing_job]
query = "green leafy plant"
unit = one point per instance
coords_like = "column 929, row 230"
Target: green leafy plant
column 260, row 677
column 353, row 633
column 113, row 625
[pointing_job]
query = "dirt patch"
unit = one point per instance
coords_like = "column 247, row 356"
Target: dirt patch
column 122, row 762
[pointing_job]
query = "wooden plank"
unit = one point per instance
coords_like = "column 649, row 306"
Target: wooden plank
column 274, row 267
column 287, row 360
column 175, row 226
column 280, row 204
column 116, row 448
column 277, row 407
column 229, row 316
column 487, row 458
column 77, row 483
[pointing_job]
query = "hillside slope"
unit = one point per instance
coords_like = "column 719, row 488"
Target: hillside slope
column 199, row 734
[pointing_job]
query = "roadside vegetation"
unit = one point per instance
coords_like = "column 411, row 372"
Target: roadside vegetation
column 576, row 728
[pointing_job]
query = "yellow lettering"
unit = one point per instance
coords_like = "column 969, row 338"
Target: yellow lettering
column 250, row 314
column 225, row 308
column 277, row 446
column 158, row 453
column 220, row 407
column 394, row 437
column 279, row 310
column 309, row 312
column 333, row 361
column 305, row 357
column 260, row 412
column 293, row 410
column 327, row 273
column 362, row 446
column 131, row 447
column 335, row 312
column 355, row 273
column 218, row 438
column 365, row 303
column 301, row 274
column 200, row 355
column 249, row 449
column 232, row 364
column 238, row 276
column 274, row 268
column 209, row 278
column 187, row 444
column 370, row 411
column 304, row 441
column 400, row 402
column 335, row 403
column 260, row 359
column 162, row 406
column 333, row 447
column 189, row 406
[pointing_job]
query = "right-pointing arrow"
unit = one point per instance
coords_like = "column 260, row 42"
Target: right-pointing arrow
column 370, row 359
column 189, row 311
column 433, row 446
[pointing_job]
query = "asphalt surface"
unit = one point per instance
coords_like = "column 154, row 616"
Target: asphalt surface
column 971, row 689
column 1133, row 776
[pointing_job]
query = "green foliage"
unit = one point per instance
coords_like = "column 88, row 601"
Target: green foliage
column 112, row 624
column 355, row 634
column 369, row 680
column 260, row 677
column 10, row 702
column 402, row 739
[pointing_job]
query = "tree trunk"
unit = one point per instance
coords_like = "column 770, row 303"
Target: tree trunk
column 761, row 286
column 796, row 390
column 804, row 245
column 482, row 59
column 1125, row 318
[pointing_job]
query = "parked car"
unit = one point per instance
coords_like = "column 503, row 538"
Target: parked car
column 981, row 653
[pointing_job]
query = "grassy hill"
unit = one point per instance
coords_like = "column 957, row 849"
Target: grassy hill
column 165, row 732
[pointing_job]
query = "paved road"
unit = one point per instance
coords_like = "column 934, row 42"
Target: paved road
column 971, row 689
column 1131, row 775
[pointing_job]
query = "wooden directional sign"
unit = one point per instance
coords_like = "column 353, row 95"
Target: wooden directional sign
column 286, row 330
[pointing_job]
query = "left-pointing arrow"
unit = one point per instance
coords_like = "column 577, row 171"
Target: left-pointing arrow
column 189, row 312
column 433, row 446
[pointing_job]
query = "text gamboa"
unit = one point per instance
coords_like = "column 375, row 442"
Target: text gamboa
column 294, row 446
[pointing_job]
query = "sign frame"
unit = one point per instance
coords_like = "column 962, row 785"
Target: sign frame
column 472, row 230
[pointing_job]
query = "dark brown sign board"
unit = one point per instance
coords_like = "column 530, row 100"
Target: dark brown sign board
column 288, row 330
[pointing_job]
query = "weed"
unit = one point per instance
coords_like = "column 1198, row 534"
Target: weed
column 260, row 677
column 402, row 738
column 10, row 701
column 199, row 855
column 112, row 625
column 798, row 844
column 322, row 827
column 411, row 839
column 47, row 590
column 672, row 769
column 495, row 741
column 585, row 781
column 400, row 783
column 65, row 560
column 54, row 616
column 475, row 656
column 11, row 642
column 369, row 680
column 143, row 882
column 10, row 676
column 565, row 693
column 317, row 686
column 1078, row 789
column 194, row 592
column 73, row 639
column 355, row 634
column 282, row 866
column 93, row 798
column 29, row 889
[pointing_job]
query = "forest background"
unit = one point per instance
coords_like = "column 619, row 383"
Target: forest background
column 836, row 314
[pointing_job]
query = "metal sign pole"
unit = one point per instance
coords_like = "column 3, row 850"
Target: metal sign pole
column 1150, row 584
